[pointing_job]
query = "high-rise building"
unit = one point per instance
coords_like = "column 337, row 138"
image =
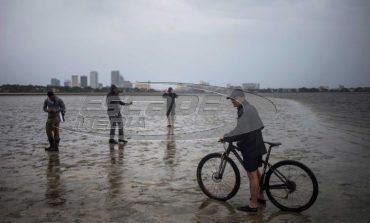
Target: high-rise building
column 67, row 83
column 94, row 79
column 54, row 82
column 83, row 81
column 75, row 82
column 115, row 77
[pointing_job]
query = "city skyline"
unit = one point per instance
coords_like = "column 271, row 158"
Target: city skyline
column 277, row 44
column 93, row 82
column 225, row 84
column 118, row 80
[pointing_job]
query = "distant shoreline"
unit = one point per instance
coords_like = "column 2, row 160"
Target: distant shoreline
column 159, row 93
column 277, row 94
column 334, row 106
column 44, row 94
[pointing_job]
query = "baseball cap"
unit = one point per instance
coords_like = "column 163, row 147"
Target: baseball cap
column 236, row 93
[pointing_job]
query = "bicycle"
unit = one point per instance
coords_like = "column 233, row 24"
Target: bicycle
column 289, row 185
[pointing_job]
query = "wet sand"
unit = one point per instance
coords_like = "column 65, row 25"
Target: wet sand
column 155, row 181
column 337, row 133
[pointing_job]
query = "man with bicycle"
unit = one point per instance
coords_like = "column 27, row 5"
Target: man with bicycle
column 248, row 136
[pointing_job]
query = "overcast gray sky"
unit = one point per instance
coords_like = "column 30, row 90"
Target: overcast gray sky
column 282, row 43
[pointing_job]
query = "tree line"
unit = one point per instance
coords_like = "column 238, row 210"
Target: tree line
column 15, row 88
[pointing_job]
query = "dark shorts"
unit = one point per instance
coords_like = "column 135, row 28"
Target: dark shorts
column 252, row 164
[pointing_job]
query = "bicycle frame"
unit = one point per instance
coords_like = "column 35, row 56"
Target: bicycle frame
column 232, row 149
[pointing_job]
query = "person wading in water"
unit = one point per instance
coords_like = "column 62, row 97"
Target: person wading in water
column 114, row 112
column 55, row 108
column 171, row 106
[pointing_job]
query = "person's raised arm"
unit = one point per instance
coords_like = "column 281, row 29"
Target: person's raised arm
column 123, row 103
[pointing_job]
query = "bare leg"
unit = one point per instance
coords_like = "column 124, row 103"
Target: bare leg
column 254, row 187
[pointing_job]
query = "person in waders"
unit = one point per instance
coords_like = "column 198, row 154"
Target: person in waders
column 115, row 117
column 171, row 106
column 56, row 109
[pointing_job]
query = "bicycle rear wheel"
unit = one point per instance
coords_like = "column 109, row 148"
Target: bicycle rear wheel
column 215, row 186
column 291, row 186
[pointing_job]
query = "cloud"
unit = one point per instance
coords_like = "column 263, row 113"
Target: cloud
column 275, row 43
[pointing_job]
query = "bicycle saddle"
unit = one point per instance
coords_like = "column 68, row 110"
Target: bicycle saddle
column 272, row 144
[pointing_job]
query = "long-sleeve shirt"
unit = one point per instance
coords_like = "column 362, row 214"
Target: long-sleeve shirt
column 114, row 104
column 56, row 104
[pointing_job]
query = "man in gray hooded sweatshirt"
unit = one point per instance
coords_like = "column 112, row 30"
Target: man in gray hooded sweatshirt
column 55, row 107
column 248, row 136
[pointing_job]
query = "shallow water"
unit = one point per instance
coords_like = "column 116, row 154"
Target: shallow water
column 154, row 180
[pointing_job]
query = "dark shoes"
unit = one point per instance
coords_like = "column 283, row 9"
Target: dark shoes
column 52, row 146
column 121, row 141
column 247, row 209
column 51, row 149
column 112, row 141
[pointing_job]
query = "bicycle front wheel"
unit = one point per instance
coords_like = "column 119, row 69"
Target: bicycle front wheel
column 216, row 185
column 291, row 186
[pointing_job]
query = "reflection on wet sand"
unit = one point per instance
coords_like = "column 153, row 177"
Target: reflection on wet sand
column 115, row 171
column 212, row 210
column 284, row 216
column 55, row 188
column 170, row 153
